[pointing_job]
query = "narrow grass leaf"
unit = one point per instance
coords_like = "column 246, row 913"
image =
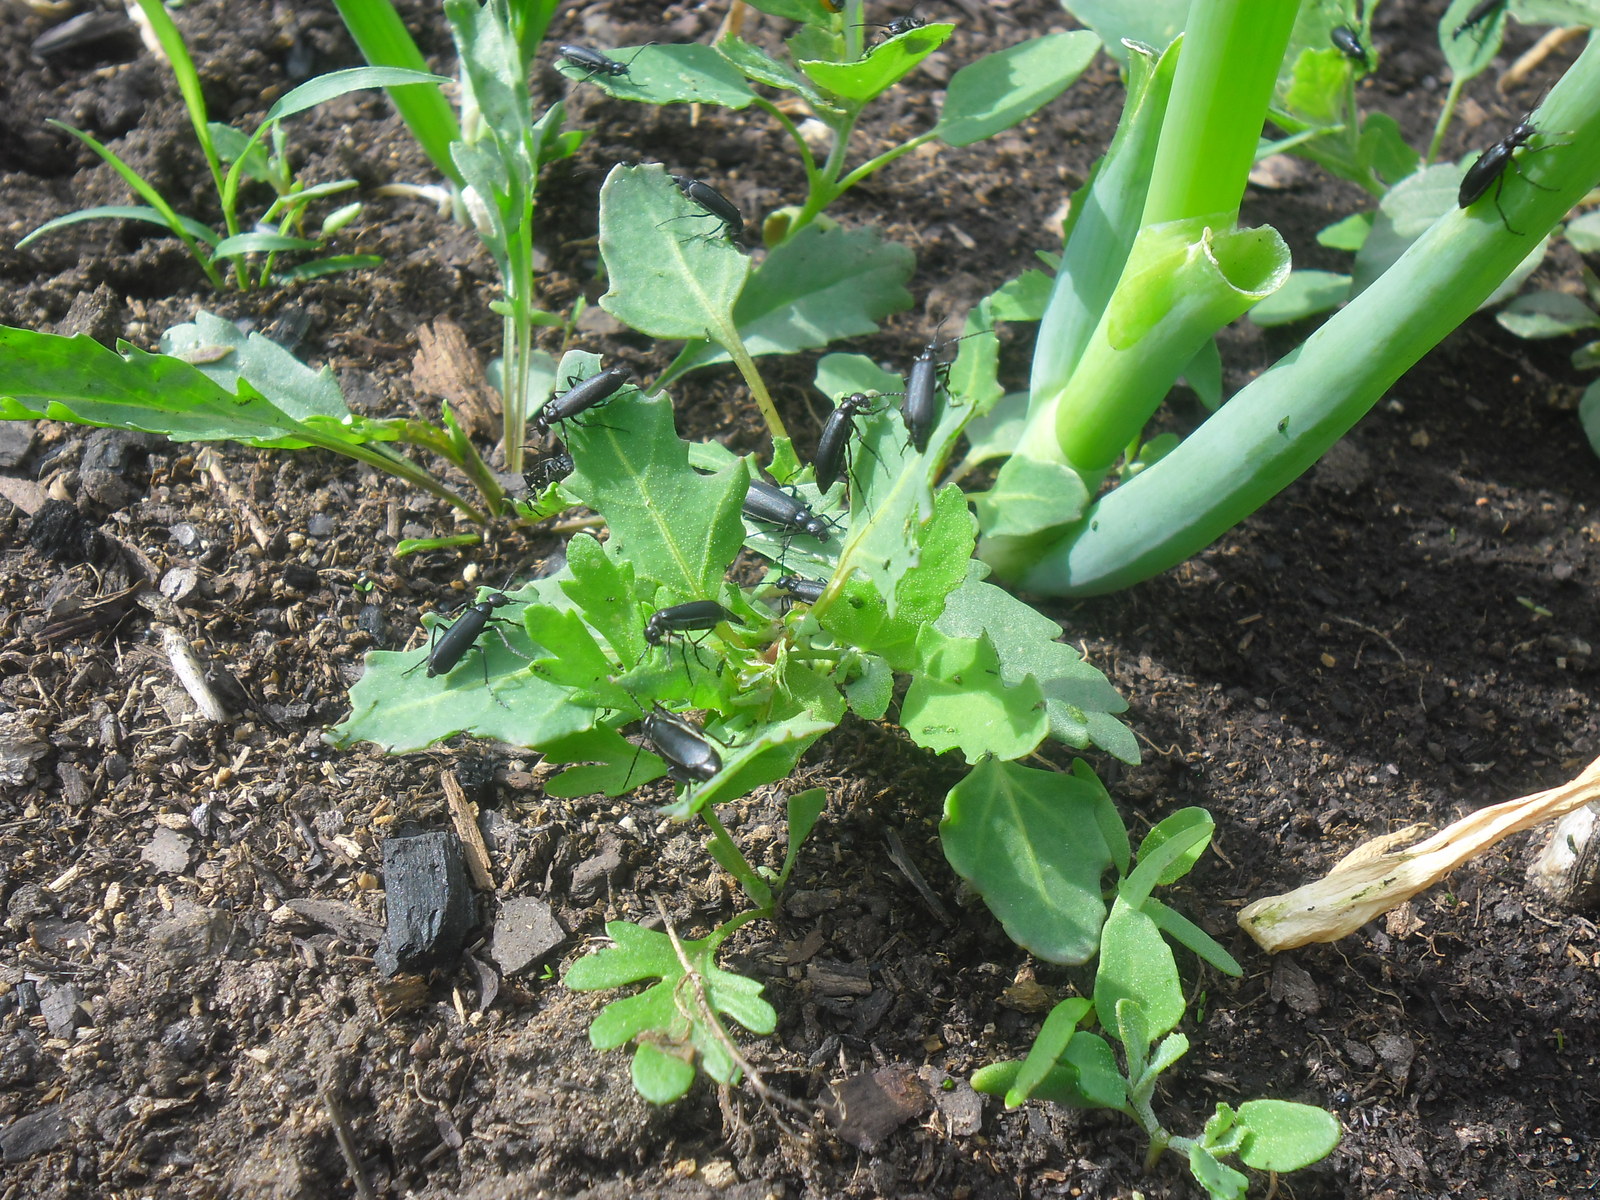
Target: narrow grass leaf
column 1028, row 646
column 126, row 212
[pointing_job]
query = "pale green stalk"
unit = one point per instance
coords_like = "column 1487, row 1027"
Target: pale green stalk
column 1272, row 431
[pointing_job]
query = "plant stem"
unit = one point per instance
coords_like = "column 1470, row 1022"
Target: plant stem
column 1277, row 427
column 1226, row 73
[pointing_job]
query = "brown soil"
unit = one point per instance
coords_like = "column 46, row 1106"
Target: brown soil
column 1403, row 636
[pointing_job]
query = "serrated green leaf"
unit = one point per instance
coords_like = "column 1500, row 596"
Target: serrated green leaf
column 677, row 527
column 603, row 586
column 1001, row 89
column 881, row 68
column 676, row 73
column 1137, row 964
column 957, row 700
column 1026, row 645
column 1284, row 1136
column 754, row 63
column 1029, row 842
column 667, row 279
column 822, row 285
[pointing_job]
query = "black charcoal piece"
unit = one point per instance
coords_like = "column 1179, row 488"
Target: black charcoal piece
column 429, row 902
column 59, row 530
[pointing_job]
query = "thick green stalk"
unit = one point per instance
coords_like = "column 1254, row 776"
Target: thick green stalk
column 1272, row 431
column 1210, row 126
column 1231, row 53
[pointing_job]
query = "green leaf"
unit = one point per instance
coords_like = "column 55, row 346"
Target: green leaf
column 995, row 434
column 673, row 1016
column 756, row 64
column 762, row 755
column 332, row 265
column 1220, row 1181
column 682, row 73
column 805, row 809
column 1048, row 1047
column 241, row 244
column 958, row 701
column 77, row 379
column 870, row 693
column 820, row 286
column 1304, row 294
column 1032, row 494
column 1190, row 826
column 337, row 83
column 1547, row 314
column 677, row 527
column 602, row 585
column 1284, row 1136
column 1086, row 1076
column 1029, row 843
column 1186, row 933
column 1588, row 414
column 666, row 281
column 1153, row 22
column 1316, row 90
column 1026, row 643
column 126, row 212
column 1472, row 51
column 659, row 1075
column 881, row 68
column 1023, row 298
column 1583, row 232
column 1168, row 1051
column 296, row 389
column 1136, row 964
column 1001, row 89
column 1384, row 149
column 1347, row 234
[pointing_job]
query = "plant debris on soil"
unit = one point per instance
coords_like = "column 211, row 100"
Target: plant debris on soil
column 193, row 908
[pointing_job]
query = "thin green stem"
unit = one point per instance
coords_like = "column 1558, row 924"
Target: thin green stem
column 733, row 858
column 1443, row 123
column 807, row 159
